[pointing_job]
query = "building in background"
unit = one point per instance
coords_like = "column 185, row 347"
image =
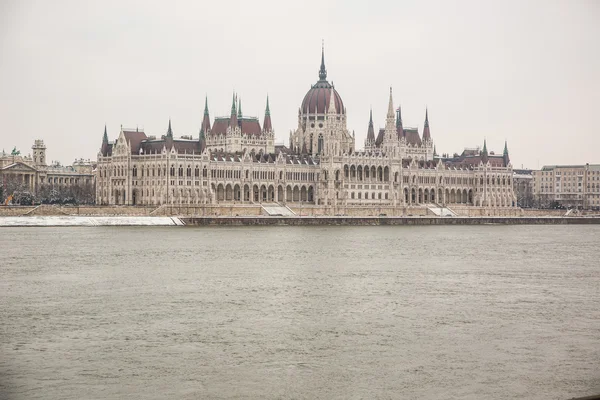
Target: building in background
column 30, row 180
column 234, row 160
column 523, row 187
column 567, row 186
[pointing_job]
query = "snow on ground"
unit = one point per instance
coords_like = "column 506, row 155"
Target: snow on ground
column 88, row 221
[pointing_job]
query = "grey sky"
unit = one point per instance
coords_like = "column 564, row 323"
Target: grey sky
column 527, row 72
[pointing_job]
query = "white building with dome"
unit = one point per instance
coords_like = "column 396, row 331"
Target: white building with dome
column 235, row 160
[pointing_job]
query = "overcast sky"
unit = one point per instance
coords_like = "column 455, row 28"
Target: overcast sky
column 527, row 72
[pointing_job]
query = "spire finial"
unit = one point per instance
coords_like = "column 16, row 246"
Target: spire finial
column 233, row 111
column 169, row 130
column 505, row 148
column 371, row 116
column 484, row 147
column 206, row 105
column 390, row 113
column 239, row 107
column 267, row 110
column 322, row 70
column 105, row 137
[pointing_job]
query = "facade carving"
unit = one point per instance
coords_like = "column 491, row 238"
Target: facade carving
column 235, row 160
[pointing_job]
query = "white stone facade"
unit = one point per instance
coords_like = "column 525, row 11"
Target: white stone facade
column 236, row 161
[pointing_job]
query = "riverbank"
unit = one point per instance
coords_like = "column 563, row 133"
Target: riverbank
column 28, row 221
column 370, row 221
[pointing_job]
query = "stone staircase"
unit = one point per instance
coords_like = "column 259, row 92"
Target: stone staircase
column 276, row 209
column 439, row 211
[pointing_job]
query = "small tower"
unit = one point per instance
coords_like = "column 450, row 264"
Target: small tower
column 169, row 131
column 267, row 127
column 426, row 133
column 370, row 141
column 39, row 151
column 399, row 127
column 104, row 148
column 233, row 121
column 390, row 120
column 484, row 153
column 205, row 128
column 505, row 155
column 202, row 141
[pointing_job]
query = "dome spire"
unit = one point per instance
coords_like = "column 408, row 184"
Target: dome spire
column 322, row 70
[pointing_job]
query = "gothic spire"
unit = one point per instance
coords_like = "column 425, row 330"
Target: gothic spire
column 505, row 155
column 484, row 153
column 205, row 127
column 202, row 140
column 390, row 113
column 105, row 136
column 233, row 121
column 399, row 128
column 233, row 108
column 322, row 70
column 371, row 130
column 267, row 110
column 170, row 131
column 426, row 133
column 267, row 123
column 239, row 108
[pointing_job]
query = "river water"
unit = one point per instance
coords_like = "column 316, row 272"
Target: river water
column 456, row 312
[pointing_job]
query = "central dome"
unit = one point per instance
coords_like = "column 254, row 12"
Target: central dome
column 318, row 97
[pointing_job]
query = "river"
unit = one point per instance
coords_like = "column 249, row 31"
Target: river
column 421, row 312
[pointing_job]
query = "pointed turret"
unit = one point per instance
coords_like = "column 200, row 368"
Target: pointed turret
column 169, row 131
column 370, row 132
column 331, row 102
column 484, row 152
column 233, row 121
column 205, row 128
column 399, row 128
column 104, row 148
column 390, row 113
column 505, row 154
column 267, row 127
column 322, row 70
column 426, row 133
column 239, row 110
column 202, row 141
column 434, row 151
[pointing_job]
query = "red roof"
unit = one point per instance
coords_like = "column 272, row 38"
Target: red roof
column 318, row 98
column 412, row 137
column 135, row 138
column 249, row 126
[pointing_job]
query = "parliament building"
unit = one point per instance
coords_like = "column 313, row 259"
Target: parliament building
column 235, row 160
